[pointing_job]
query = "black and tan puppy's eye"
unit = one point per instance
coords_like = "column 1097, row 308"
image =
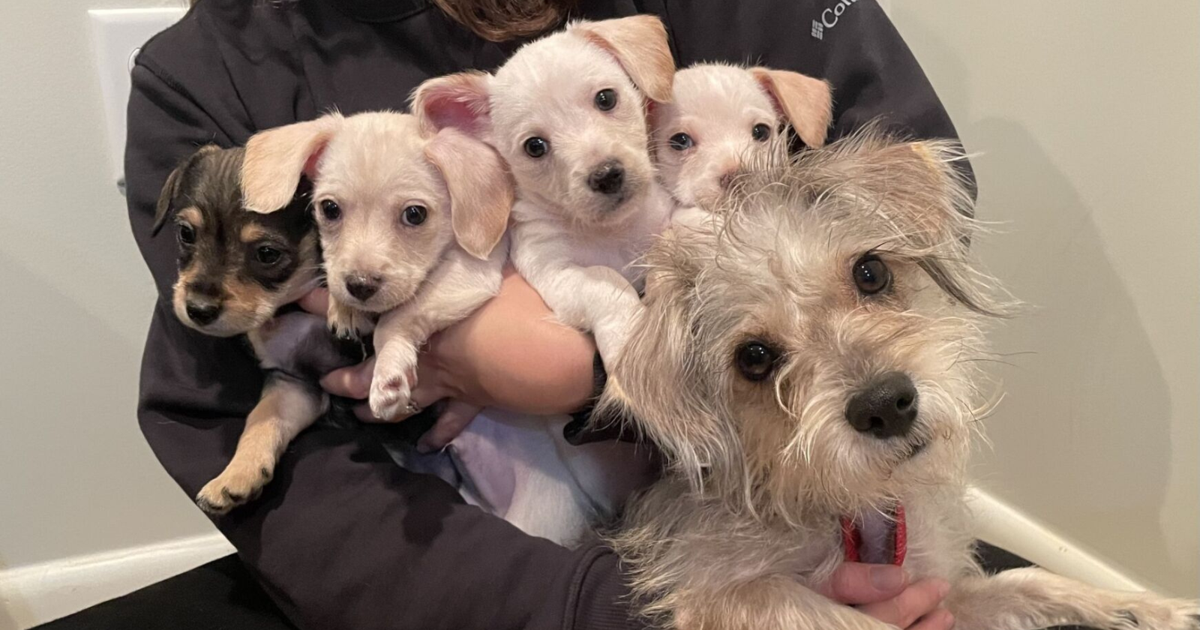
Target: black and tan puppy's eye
column 761, row 132
column 267, row 255
column 187, row 234
column 681, row 142
column 871, row 275
column 536, row 147
column 606, row 99
column 755, row 360
column 414, row 215
column 330, row 210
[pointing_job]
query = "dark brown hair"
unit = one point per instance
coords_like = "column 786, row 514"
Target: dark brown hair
column 502, row 20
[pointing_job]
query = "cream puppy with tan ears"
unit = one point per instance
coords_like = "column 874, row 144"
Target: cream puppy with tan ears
column 723, row 117
column 412, row 227
column 568, row 113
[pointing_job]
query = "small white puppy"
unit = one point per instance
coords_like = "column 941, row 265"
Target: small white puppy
column 412, row 226
column 723, row 117
column 568, row 113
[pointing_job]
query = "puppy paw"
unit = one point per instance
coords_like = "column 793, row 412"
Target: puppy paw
column 1151, row 612
column 348, row 323
column 237, row 485
column 393, row 382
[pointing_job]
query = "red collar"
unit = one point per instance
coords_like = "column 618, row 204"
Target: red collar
column 852, row 539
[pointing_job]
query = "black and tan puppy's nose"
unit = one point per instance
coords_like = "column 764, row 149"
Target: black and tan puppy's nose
column 362, row 287
column 202, row 313
column 608, row 178
column 885, row 408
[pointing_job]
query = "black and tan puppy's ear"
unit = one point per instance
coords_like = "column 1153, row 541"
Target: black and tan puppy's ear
column 277, row 158
column 171, row 190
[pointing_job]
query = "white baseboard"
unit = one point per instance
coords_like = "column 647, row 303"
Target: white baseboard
column 35, row 594
column 1006, row 527
column 39, row 593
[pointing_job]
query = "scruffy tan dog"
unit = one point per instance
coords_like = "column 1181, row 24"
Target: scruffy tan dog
column 807, row 360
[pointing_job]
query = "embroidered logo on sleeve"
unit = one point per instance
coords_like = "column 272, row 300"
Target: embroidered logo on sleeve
column 829, row 18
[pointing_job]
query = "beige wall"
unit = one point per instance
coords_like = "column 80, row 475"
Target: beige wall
column 75, row 475
column 1087, row 115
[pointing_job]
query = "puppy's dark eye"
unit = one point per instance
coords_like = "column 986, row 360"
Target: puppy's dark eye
column 871, row 275
column 414, row 215
column 536, row 147
column 330, row 210
column 755, row 360
column 267, row 255
column 761, row 132
column 606, row 99
column 187, row 234
column 681, row 142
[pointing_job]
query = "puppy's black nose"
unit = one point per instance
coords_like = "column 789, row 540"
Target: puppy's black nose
column 362, row 287
column 203, row 314
column 885, row 408
column 608, row 178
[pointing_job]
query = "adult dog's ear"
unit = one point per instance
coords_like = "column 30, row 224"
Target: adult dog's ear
column 171, row 190
column 275, row 159
column 805, row 102
column 481, row 191
column 660, row 380
column 640, row 45
column 457, row 100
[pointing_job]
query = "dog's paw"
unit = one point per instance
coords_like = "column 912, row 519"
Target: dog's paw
column 1151, row 612
column 393, row 382
column 348, row 323
column 237, row 485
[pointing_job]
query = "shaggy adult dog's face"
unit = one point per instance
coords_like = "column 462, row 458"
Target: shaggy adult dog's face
column 810, row 345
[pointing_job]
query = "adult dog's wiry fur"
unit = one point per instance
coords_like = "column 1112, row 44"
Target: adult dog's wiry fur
column 819, row 284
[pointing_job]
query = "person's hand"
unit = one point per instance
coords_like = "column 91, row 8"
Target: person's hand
column 510, row 353
column 883, row 592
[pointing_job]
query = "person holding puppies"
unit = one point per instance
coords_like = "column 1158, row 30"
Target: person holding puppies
column 343, row 537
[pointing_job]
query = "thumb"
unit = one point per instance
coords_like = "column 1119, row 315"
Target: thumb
column 856, row 583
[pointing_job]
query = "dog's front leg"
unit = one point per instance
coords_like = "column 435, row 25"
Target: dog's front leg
column 1030, row 599
column 347, row 322
column 287, row 407
column 458, row 286
column 769, row 603
column 596, row 299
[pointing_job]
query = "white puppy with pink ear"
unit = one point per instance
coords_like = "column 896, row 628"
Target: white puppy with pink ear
column 723, row 118
column 568, row 113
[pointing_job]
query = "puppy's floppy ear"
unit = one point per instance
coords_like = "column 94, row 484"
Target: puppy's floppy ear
column 276, row 158
column 481, row 191
column 640, row 45
column 807, row 103
column 456, row 100
column 173, row 187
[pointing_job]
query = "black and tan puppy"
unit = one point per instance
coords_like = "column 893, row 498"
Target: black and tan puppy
column 236, row 270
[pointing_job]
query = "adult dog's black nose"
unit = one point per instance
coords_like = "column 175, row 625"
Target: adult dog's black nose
column 608, row 178
column 362, row 287
column 885, row 408
column 203, row 314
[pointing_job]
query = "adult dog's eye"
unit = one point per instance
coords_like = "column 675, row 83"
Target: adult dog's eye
column 871, row 275
column 761, row 132
column 755, row 360
column 414, row 215
column 536, row 147
column 330, row 210
column 267, row 255
column 681, row 142
column 606, row 99
column 187, row 234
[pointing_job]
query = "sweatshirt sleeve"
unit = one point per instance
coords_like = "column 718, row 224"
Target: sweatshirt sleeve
column 342, row 537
